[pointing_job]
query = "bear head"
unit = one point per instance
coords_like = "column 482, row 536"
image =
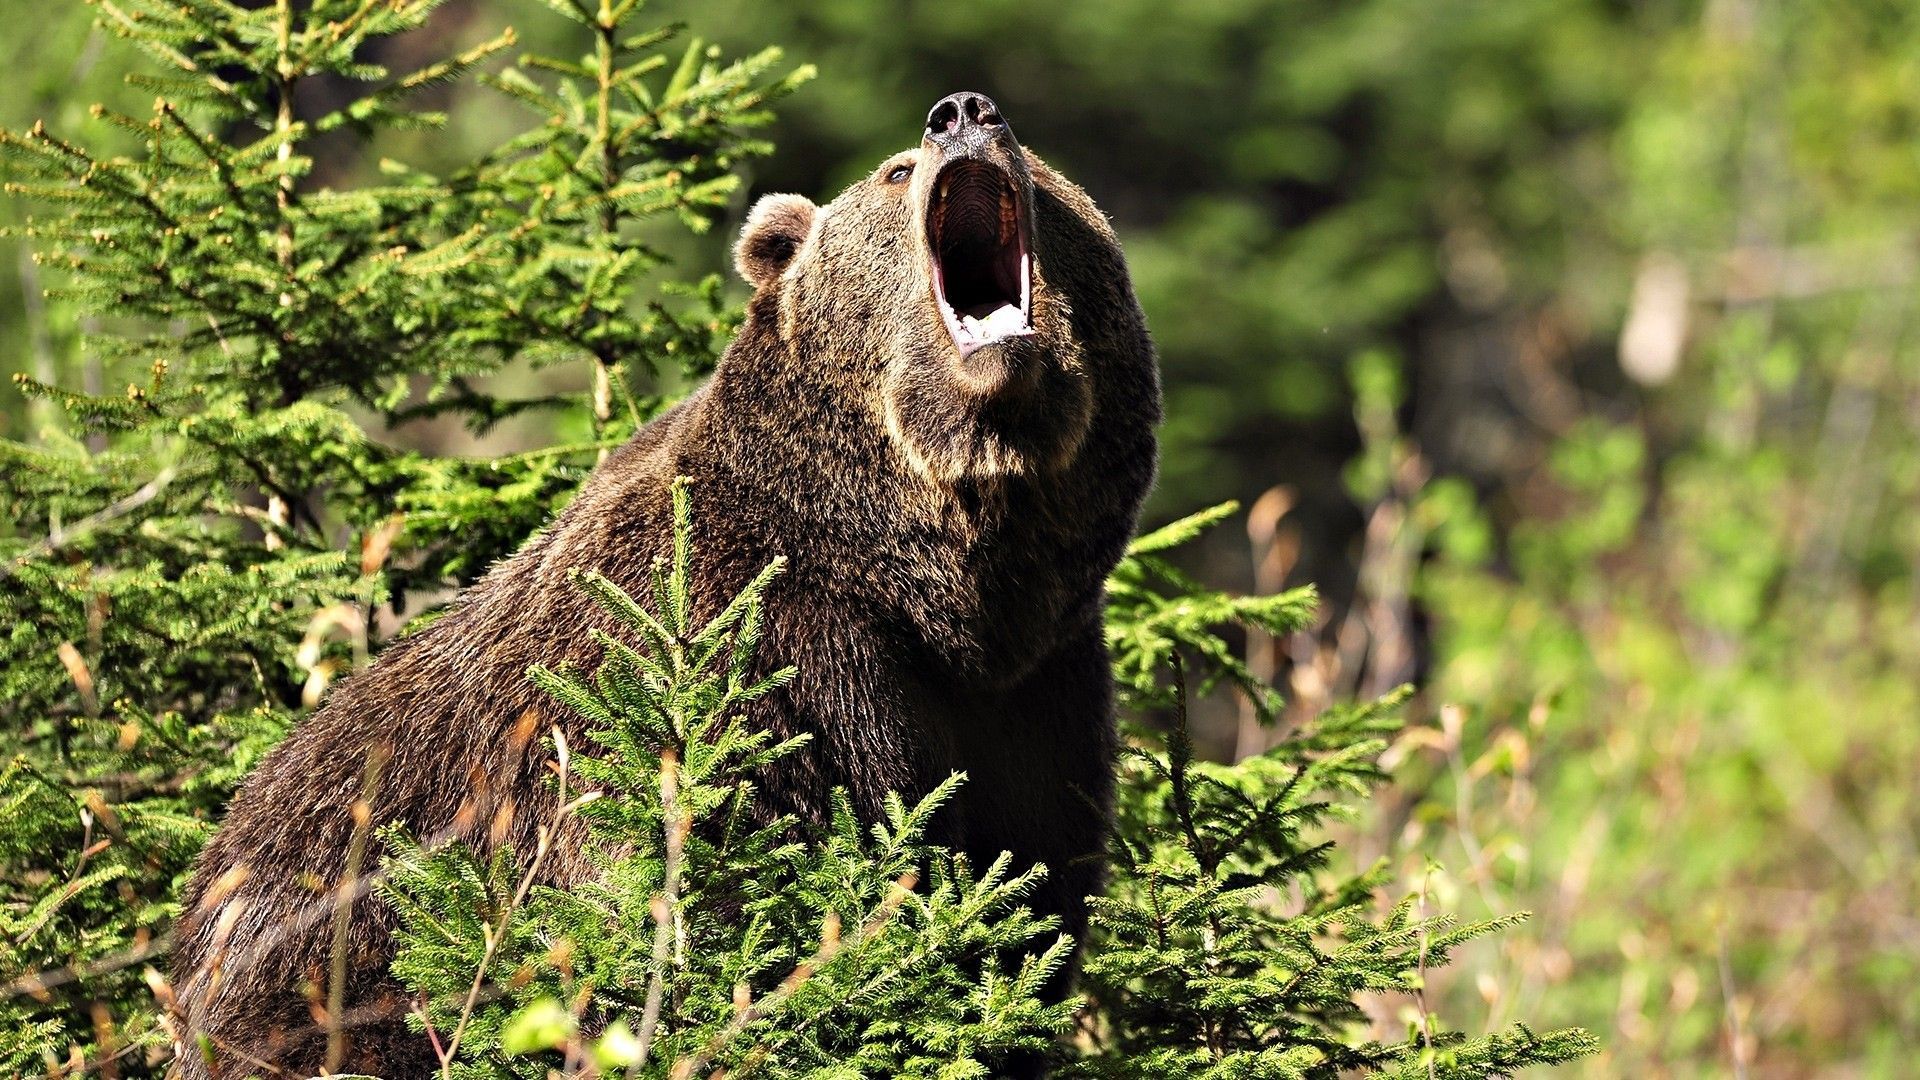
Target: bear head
column 963, row 297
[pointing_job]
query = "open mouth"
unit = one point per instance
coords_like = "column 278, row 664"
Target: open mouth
column 982, row 263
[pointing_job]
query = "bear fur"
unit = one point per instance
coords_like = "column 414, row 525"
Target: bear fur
column 948, row 518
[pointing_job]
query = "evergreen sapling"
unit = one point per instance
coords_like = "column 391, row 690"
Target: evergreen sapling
column 709, row 940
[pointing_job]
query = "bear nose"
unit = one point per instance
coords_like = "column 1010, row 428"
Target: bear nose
column 955, row 114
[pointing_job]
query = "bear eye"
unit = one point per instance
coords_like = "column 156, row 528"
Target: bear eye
column 899, row 173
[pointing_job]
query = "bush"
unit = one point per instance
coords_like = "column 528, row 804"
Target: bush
column 190, row 563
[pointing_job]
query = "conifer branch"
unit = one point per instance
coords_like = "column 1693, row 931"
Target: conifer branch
column 830, row 945
column 63, row 535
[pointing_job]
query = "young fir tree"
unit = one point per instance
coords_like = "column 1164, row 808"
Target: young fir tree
column 709, row 941
column 1226, row 945
column 188, row 564
column 1229, row 942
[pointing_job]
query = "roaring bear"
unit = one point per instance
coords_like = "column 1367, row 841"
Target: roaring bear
column 940, row 408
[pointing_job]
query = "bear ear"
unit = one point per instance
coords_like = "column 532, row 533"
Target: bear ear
column 775, row 229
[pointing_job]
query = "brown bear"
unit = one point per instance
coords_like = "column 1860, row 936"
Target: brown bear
column 940, row 408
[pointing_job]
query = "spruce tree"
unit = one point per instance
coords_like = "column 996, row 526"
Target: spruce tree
column 1231, row 941
column 711, row 940
column 190, row 559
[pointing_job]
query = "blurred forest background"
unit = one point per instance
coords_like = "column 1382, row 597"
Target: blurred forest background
column 1567, row 345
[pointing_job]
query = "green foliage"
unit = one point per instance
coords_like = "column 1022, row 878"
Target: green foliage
column 1148, row 625
column 188, row 563
column 277, row 300
column 1685, row 692
column 1666, row 723
column 1227, row 944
